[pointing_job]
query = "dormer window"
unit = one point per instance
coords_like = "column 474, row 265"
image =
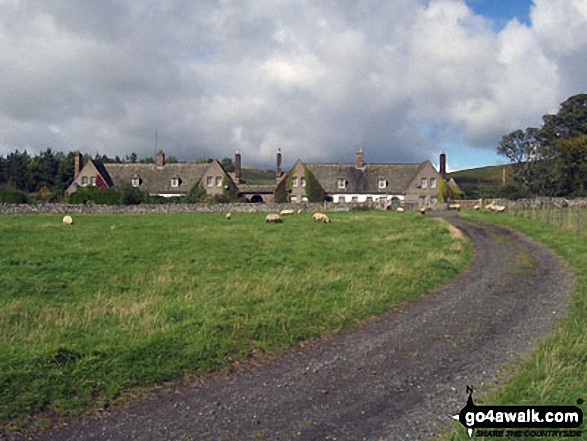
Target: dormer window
column 382, row 183
column 136, row 181
column 175, row 181
column 342, row 183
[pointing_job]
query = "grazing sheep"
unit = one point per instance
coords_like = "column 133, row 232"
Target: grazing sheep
column 499, row 208
column 67, row 220
column 399, row 210
column 286, row 212
column 456, row 207
column 273, row 219
column 228, row 216
column 320, row 217
column 476, row 207
column 300, row 211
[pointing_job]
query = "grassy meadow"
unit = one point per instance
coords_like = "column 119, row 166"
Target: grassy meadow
column 556, row 372
column 93, row 312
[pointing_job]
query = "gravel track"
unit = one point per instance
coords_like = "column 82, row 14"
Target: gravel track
column 400, row 376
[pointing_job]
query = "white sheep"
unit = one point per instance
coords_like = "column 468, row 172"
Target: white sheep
column 273, row 219
column 320, row 217
column 67, row 220
column 228, row 216
column 286, row 212
column 456, row 207
column 399, row 210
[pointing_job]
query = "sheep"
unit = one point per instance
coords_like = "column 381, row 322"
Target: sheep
column 399, row 210
column 286, row 212
column 273, row 219
column 456, row 207
column 476, row 207
column 320, row 217
column 300, row 211
column 228, row 216
column 67, row 220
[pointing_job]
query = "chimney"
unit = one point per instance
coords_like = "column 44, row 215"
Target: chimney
column 278, row 171
column 237, row 167
column 77, row 164
column 360, row 163
column 443, row 165
column 160, row 161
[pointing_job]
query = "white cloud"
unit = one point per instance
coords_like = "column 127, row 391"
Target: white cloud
column 401, row 78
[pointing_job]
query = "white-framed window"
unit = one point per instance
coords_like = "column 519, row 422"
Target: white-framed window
column 209, row 181
column 294, row 199
column 303, row 182
column 432, row 182
column 294, row 182
column 355, row 199
column 422, row 201
column 84, row 181
column 341, row 199
column 424, row 183
column 136, row 181
column 382, row 183
column 93, row 181
column 175, row 182
column 342, row 183
column 218, row 181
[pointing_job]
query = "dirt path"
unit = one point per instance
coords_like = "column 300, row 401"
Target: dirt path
column 400, row 377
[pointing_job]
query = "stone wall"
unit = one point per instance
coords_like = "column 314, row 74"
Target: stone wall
column 162, row 208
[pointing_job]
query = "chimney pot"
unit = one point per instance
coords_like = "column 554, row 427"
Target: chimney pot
column 278, row 171
column 237, row 167
column 360, row 163
column 443, row 165
column 160, row 158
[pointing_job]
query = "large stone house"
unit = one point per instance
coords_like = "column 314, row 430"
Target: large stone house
column 388, row 184
column 159, row 179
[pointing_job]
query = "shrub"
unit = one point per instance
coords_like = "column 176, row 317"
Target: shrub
column 13, row 197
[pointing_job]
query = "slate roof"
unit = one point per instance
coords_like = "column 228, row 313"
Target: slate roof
column 256, row 188
column 156, row 179
column 365, row 180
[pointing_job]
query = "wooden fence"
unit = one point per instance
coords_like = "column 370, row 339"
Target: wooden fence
column 567, row 214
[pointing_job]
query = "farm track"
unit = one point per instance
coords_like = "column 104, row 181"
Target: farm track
column 397, row 377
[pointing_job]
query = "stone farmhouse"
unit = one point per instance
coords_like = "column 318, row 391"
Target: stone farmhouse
column 389, row 184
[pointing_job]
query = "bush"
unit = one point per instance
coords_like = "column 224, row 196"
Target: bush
column 13, row 197
column 83, row 195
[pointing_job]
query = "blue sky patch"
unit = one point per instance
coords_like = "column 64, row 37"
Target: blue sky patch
column 502, row 11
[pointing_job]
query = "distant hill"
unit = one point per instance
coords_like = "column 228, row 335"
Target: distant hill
column 258, row 176
column 483, row 182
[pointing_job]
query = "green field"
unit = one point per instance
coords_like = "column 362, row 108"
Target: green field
column 556, row 372
column 95, row 311
column 482, row 182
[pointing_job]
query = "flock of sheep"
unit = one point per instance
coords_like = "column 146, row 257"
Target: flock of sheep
column 273, row 218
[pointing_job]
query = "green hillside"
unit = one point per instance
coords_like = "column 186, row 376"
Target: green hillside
column 484, row 182
column 258, row 176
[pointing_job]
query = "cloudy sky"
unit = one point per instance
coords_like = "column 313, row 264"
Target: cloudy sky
column 403, row 79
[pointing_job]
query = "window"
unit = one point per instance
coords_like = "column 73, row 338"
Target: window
column 218, row 181
column 422, row 201
column 294, row 182
column 136, row 181
column 424, row 183
column 382, row 183
column 341, row 199
column 342, row 183
column 294, row 199
column 93, row 181
column 209, row 181
column 175, row 182
column 303, row 181
column 432, row 182
column 355, row 199
column 84, row 181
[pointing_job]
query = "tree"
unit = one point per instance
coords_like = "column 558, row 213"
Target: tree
column 227, row 164
column 522, row 148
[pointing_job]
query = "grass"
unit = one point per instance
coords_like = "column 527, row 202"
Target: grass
column 115, row 303
column 555, row 373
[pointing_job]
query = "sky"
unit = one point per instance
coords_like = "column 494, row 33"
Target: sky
column 402, row 79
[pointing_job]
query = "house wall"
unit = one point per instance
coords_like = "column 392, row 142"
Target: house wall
column 297, row 183
column 86, row 177
column 423, row 190
column 213, row 179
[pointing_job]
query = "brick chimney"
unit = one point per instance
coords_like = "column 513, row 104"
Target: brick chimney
column 160, row 161
column 278, row 171
column 360, row 163
column 443, row 165
column 77, row 164
column 237, row 168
